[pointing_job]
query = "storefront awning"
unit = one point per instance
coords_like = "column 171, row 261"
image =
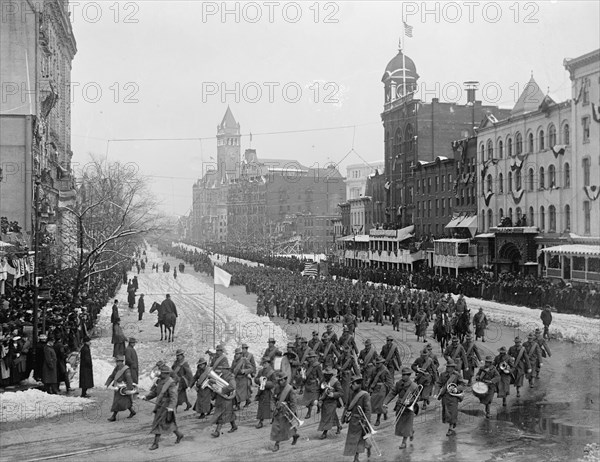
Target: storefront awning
column 574, row 249
column 353, row 238
column 454, row 222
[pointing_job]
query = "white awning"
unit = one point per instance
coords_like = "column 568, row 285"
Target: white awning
column 574, row 249
column 454, row 222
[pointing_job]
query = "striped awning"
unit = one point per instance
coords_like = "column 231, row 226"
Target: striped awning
column 574, row 249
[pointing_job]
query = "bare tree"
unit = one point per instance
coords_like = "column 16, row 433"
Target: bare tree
column 114, row 211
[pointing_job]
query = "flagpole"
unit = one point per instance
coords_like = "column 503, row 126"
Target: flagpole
column 214, row 314
column 403, row 42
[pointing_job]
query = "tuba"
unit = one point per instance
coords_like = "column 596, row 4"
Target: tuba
column 216, row 383
column 121, row 387
column 453, row 390
column 504, row 367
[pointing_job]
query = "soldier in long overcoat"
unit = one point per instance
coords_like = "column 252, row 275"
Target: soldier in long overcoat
column 224, row 403
column 241, row 369
column 403, row 389
column 449, row 401
column 489, row 375
column 284, row 398
column 264, row 396
column 183, row 372
column 521, row 365
column 312, row 384
column 534, row 352
column 204, row 396
column 503, row 386
column 165, row 392
column 357, row 409
column 121, row 399
column 329, row 402
column 131, row 360
column 380, row 383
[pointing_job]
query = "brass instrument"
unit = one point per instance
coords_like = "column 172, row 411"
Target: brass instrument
column 216, row 383
column 453, row 390
column 292, row 418
column 504, row 367
column 368, row 430
column 121, row 387
column 303, row 373
column 263, row 383
column 412, row 398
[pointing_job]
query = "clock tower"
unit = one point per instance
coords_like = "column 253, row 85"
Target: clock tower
column 228, row 146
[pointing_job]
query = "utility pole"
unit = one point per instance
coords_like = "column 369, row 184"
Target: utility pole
column 36, row 243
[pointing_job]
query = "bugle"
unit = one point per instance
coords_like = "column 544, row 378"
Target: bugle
column 292, row 418
column 412, row 398
column 368, row 431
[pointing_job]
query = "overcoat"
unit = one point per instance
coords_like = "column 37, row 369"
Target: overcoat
column 86, row 371
column 165, row 392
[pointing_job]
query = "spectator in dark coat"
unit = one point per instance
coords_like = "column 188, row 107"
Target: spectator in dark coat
column 131, row 360
column 546, row 317
column 141, row 307
column 114, row 317
column 49, row 368
column 86, row 372
column 61, row 363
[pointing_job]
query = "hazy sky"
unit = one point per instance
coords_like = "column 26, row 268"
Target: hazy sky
column 158, row 69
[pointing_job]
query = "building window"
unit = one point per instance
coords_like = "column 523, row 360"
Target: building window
column 437, row 183
column 552, row 219
column 482, row 153
column 409, row 138
column 551, row 176
column 509, row 186
column 443, row 182
column 586, row 91
column 510, row 214
column 542, row 218
column 429, row 185
column 500, row 214
column 443, row 206
column 567, row 183
column 510, row 147
column 530, row 144
column 567, row 218
column 531, row 216
column 542, row 178
column 585, row 123
column 530, row 185
column 586, row 171
column 490, row 150
column 519, row 144
column 449, row 180
column 542, row 141
column 500, row 149
column 490, row 218
column 566, row 134
column 489, row 183
column 551, row 135
column 518, row 184
column 428, row 209
column 500, row 183
column 587, row 218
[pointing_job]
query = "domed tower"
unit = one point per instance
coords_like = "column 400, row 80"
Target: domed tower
column 400, row 77
column 228, row 145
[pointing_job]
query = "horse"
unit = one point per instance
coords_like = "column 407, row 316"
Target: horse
column 462, row 325
column 442, row 331
column 166, row 320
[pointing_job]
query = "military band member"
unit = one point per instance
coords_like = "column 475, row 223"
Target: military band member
column 265, row 381
column 284, row 398
column 449, row 401
column 426, row 374
column 391, row 354
column 379, row 384
column 165, row 392
column 328, row 352
column 404, row 389
column 330, row 400
column 504, row 364
column 249, row 357
column 184, row 374
column 348, row 366
column 359, row 398
column 312, row 384
column 242, row 370
column 219, row 360
column 521, row 366
column 120, row 377
column 480, row 323
column 350, row 322
column 490, row 376
column 544, row 348
column 203, row 404
column 332, row 335
column 347, row 338
column 294, row 362
column 272, row 351
column 366, row 359
column 473, row 358
column 224, row 402
column 534, row 353
column 457, row 354
column 314, row 342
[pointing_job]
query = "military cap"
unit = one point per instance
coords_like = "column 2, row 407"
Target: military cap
column 489, row 359
column 356, row 378
column 406, row 371
column 120, row 357
column 179, row 352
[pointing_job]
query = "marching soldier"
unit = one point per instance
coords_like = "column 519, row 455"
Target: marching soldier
column 312, row 384
column 449, row 400
column 242, row 370
column 480, row 323
column 182, row 370
column 224, row 401
column 390, row 352
column 314, row 342
column 504, row 364
column 544, row 348
column 347, row 339
column 521, row 366
column 271, row 350
column 249, row 358
column 366, row 359
column 329, row 401
column 219, row 360
column 332, row 335
column 120, row 377
column 265, row 381
column 546, row 317
column 294, row 362
column 490, row 376
column 284, row 397
column 473, row 358
column 350, row 322
column 359, row 400
column 380, row 383
column 348, row 367
column 534, row 353
column 405, row 390
column 457, row 354
column 203, row 404
column 328, row 352
column 426, row 374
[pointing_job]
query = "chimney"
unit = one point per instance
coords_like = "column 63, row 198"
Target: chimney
column 471, row 87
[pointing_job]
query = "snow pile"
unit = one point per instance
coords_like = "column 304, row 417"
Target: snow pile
column 34, row 404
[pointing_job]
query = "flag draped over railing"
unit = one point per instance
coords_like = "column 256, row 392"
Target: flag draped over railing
column 311, row 269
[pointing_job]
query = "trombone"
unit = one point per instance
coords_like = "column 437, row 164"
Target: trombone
column 290, row 416
column 368, row 430
column 412, row 398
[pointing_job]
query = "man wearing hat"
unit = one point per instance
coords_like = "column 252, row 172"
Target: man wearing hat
column 480, row 323
column 426, row 373
column 242, row 370
column 473, row 358
column 328, row 352
column 405, row 390
column 534, row 352
column 165, row 392
column 503, row 358
column 271, row 351
column 119, row 378
column 348, row 366
column 358, row 401
column 390, row 352
column 203, row 404
column 490, row 376
column 131, row 359
column 224, row 399
column 379, row 383
column 366, row 358
column 521, row 363
column 50, row 367
column 141, row 307
column 546, row 317
column 181, row 369
column 332, row 335
column 118, row 339
column 312, row 383
column 457, row 354
column 329, row 401
column 285, row 403
column 86, row 370
column 314, row 343
column 265, row 381
column 249, row 357
column 219, row 360
column 114, row 316
column 449, row 401
column 544, row 348
column 347, row 339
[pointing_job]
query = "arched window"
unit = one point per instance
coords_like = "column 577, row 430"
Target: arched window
column 530, row 180
column 567, row 183
column 542, row 141
column 531, row 216
column 566, row 134
column 489, row 183
column 542, row 218
column 530, row 143
column 510, row 214
column 482, row 152
column 518, row 143
column 586, row 171
column 490, row 150
column 551, row 176
column 397, row 149
column 490, row 218
column 552, row 219
column 483, row 220
column 567, row 218
column 509, row 186
column 500, row 149
column 500, row 183
column 519, row 213
column 551, row 136
column 408, row 138
column 500, row 214
column 510, row 147
column 518, row 183
column 542, row 178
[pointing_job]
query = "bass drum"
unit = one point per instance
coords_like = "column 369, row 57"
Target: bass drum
column 480, row 389
column 282, row 364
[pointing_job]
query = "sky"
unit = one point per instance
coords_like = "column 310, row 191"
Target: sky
column 304, row 78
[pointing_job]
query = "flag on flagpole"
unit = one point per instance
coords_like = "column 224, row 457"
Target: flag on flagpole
column 408, row 30
column 222, row 277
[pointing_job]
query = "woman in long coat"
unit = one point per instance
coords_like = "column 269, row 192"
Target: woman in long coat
column 264, row 397
column 86, row 371
column 118, row 339
column 355, row 443
column 165, row 392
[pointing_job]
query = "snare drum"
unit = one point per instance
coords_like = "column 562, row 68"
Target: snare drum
column 480, row 389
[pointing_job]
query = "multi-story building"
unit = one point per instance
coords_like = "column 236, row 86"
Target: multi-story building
column 37, row 47
column 356, row 178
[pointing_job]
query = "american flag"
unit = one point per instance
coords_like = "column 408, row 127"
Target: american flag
column 311, row 269
column 408, row 30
